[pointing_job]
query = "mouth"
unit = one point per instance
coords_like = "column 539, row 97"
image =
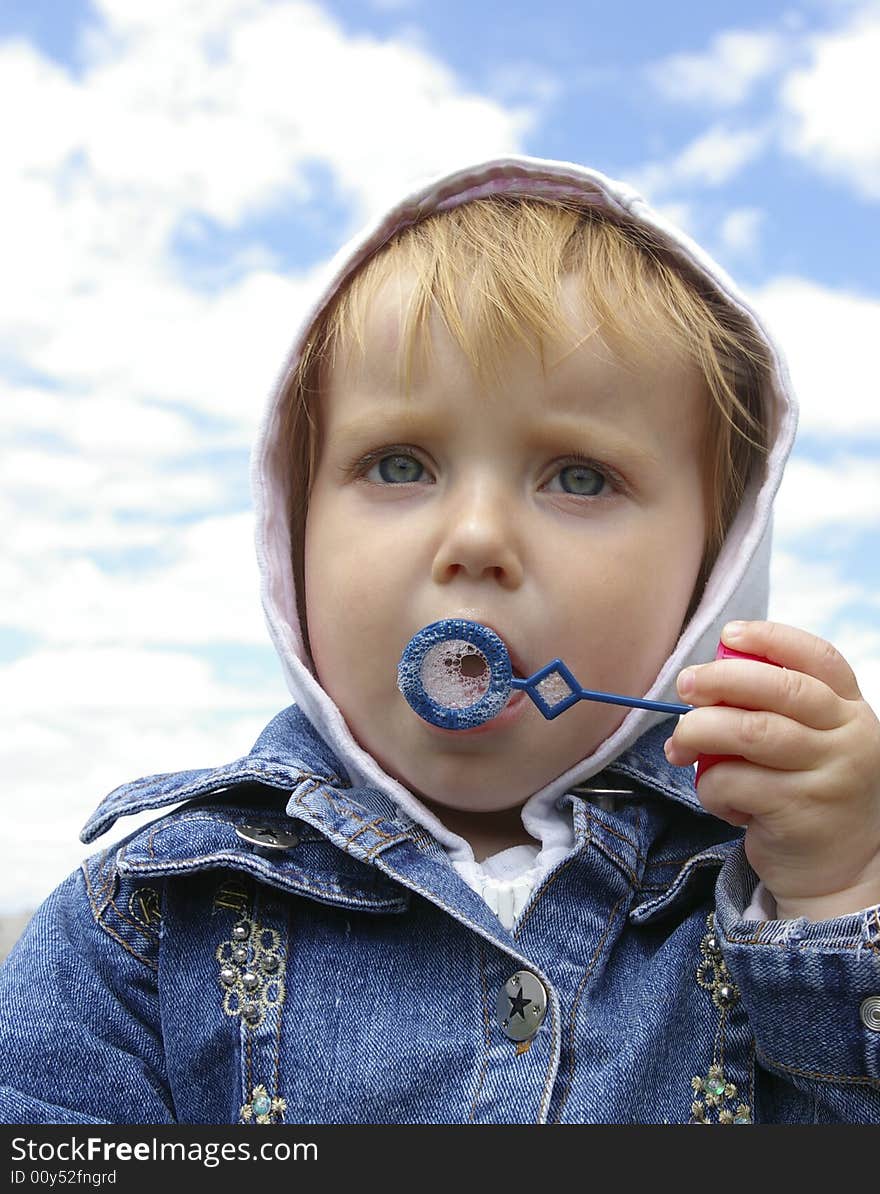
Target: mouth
column 517, row 666
column 455, row 674
column 472, row 664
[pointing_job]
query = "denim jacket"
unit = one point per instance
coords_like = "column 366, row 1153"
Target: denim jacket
column 284, row 947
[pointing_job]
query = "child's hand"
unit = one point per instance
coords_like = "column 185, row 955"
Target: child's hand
column 808, row 784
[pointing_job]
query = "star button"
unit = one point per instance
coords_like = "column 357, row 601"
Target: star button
column 518, row 1004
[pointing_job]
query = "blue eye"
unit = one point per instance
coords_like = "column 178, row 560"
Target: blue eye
column 580, row 480
column 399, row 469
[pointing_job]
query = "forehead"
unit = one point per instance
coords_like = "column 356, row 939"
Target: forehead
column 379, row 324
column 633, row 368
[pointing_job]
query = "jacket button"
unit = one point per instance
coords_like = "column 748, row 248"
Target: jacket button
column 267, row 837
column 870, row 1012
column 521, row 1006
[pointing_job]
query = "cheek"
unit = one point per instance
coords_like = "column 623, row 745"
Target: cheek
column 630, row 596
column 352, row 599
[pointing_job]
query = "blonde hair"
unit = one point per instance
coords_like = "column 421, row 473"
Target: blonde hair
column 492, row 269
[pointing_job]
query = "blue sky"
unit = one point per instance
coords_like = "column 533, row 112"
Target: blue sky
column 175, row 173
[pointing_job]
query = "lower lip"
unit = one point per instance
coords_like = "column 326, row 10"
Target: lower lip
column 511, row 713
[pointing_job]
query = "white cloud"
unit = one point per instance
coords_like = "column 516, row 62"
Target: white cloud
column 205, row 590
column 809, row 594
column 710, row 160
column 58, row 483
column 98, row 423
column 843, row 492
column 218, row 110
column 827, row 95
column 831, row 104
column 679, row 214
column 725, row 73
column 58, row 764
column 95, row 678
column 232, row 101
column 740, row 230
column 830, row 339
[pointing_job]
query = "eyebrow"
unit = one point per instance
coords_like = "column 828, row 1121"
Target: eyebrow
column 410, row 423
column 613, row 439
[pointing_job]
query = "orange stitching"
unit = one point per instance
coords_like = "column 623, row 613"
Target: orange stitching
column 112, row 933
column 339, row 803
column 576, row 1002
column 374, row 825
column 106, row 883
column 622, row 836
column 859, row 1080
column 93, row 898
column 564, row 867
column 111, row 903
column 105, row 871
column 388, row 841
column 487, row 1028
column 231, row 859
column 128, row 949
column 624, row 865
column 528, row 911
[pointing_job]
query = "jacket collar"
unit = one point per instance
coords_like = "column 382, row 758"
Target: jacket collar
column 289, row 755
column 286, row 752
column 345, row 845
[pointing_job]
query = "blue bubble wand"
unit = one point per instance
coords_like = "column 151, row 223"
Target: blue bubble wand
column 457, row 675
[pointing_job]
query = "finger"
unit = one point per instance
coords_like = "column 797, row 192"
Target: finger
column 749, row 685
column 736, row 791
column 797, row 649
column 760, row 737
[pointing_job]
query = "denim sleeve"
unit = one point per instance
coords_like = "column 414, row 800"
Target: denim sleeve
column 812, row 993
column 80, row 1033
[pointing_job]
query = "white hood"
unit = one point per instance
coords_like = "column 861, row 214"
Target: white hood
column 737, row 588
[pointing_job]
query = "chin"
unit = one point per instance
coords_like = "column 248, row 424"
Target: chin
column 486, row 796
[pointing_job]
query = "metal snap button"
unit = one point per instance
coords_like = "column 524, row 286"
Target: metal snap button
column 267, row 837
column 521, row 1006
column 870, row 1012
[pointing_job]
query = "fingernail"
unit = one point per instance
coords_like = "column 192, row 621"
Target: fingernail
column 733, row 631
column 686, row 681
column 670, row 752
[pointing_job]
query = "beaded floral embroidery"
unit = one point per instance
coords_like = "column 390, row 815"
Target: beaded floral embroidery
column 262, row 1108
column 250, row 972
column 715, row 1099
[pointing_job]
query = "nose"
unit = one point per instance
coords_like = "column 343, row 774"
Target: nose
column 479, row 539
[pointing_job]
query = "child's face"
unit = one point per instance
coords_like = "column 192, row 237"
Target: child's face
column 564, row 509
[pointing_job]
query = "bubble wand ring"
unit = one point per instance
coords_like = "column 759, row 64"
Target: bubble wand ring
column 431, row 663
column 457, row 674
